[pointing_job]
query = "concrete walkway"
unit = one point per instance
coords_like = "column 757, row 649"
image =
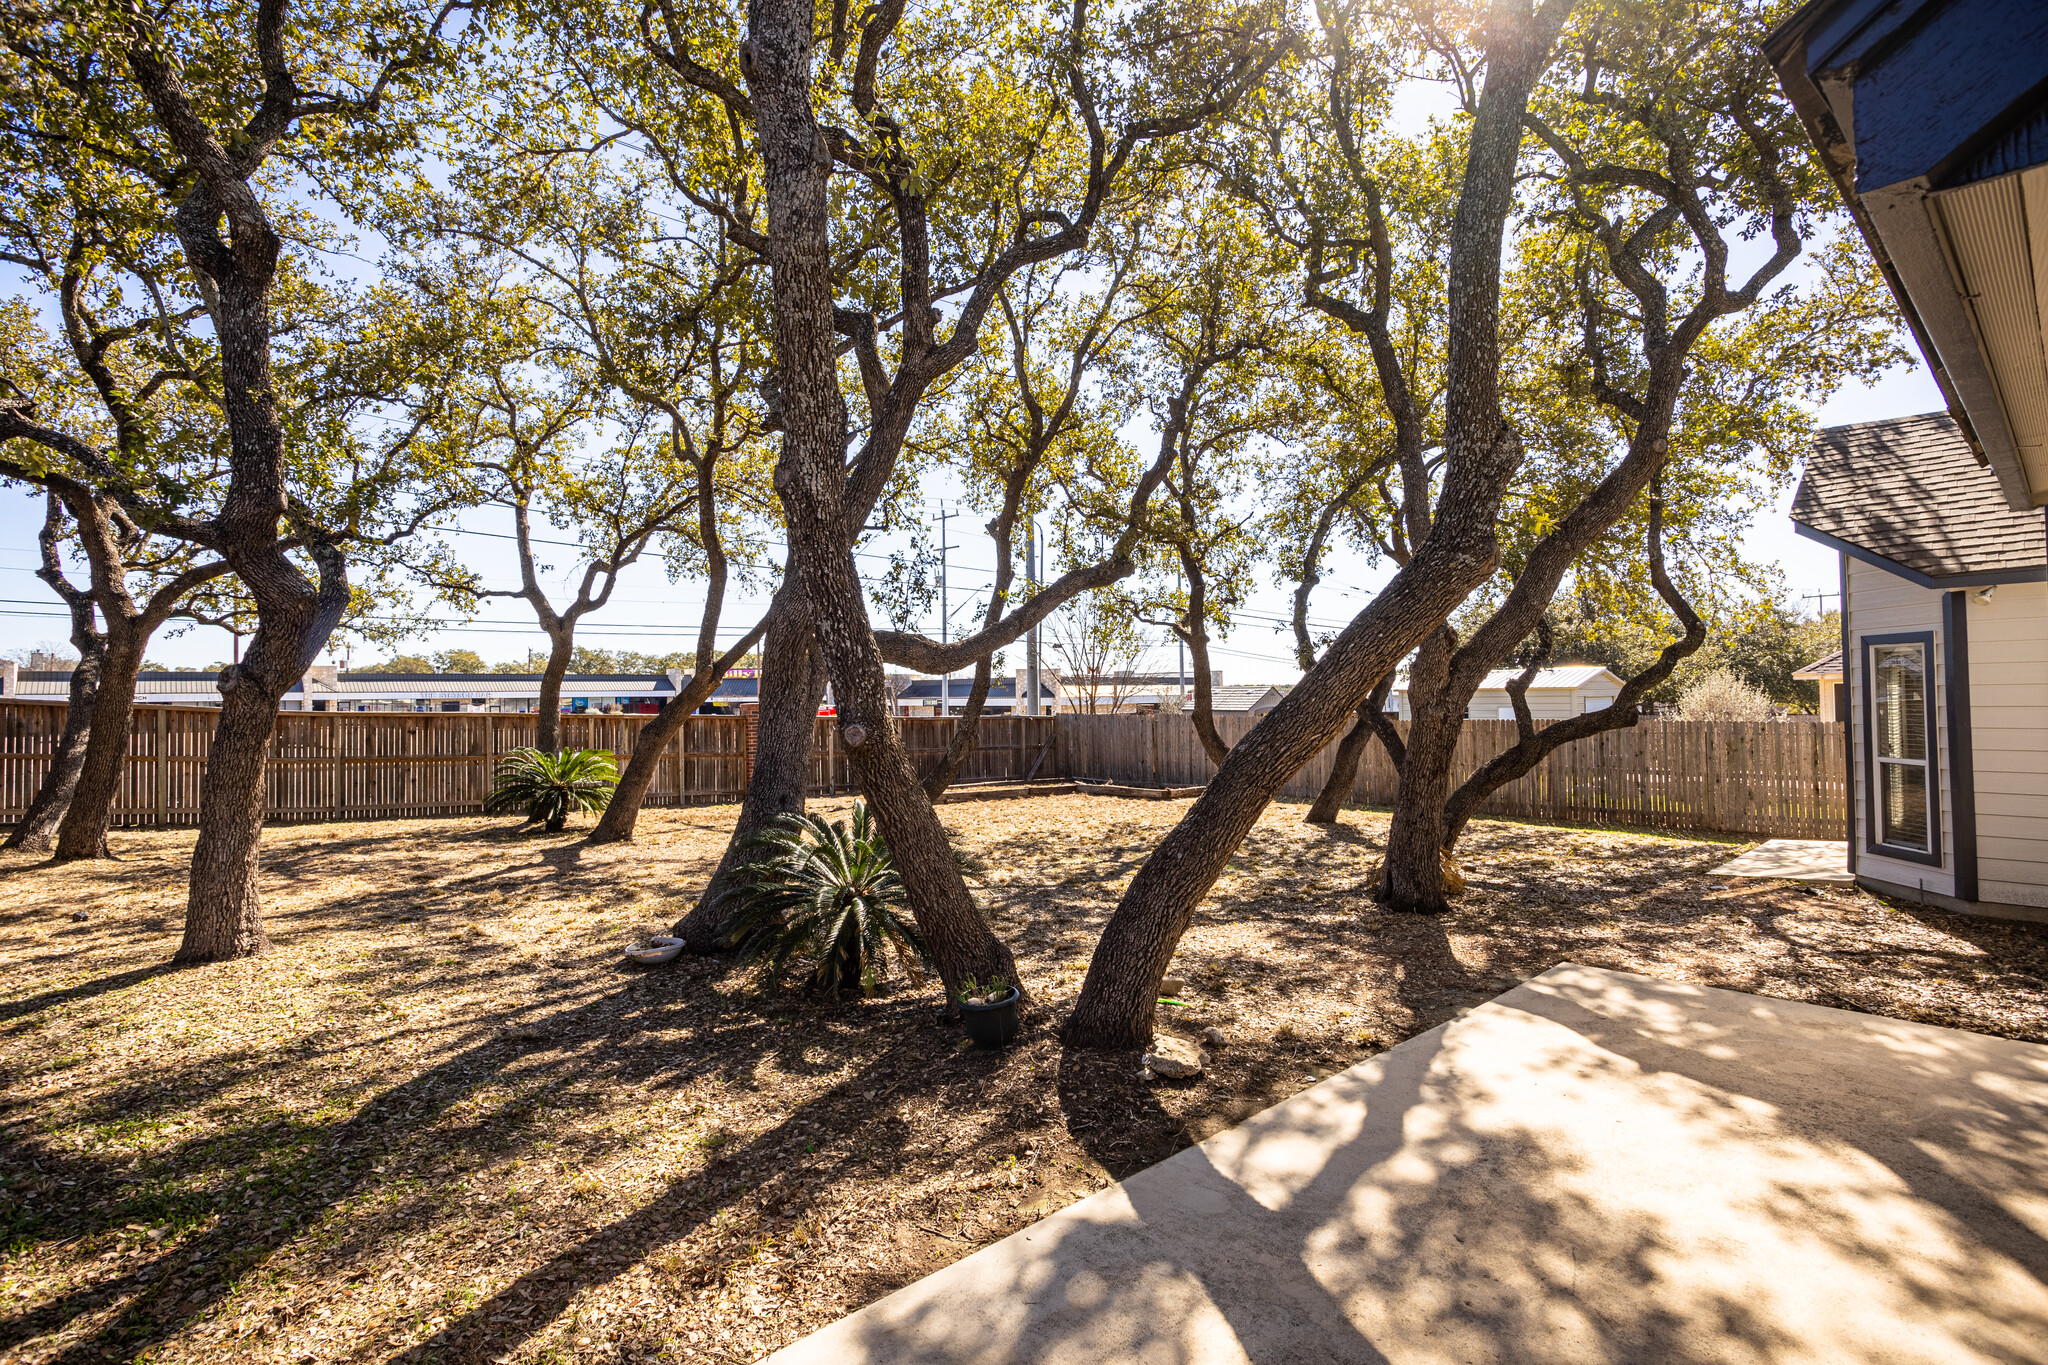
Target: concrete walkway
column 1795, row 860
column 1594, row 1168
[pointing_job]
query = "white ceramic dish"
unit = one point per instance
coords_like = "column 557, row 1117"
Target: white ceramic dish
column 656, row 951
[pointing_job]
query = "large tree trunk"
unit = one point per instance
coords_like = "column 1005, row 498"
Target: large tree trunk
column 224, row 911
column 810, row 477
column 84, row 831
column 547, row 720
column 1481, row 454
column 785, row 729
column 36, row 831
column 1413, row 877
column 223, row 908
column 1443, row 682
column 237, row 268
column 1408, row 881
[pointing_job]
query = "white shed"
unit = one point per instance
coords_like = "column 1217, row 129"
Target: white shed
column 1827, row 675
column 1554, row 693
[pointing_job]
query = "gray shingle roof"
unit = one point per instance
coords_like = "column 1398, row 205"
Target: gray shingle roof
column 1910, row 492
column 1829, row 667
column 1243, row 697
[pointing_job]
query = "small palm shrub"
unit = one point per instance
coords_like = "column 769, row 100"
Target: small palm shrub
column 827, row 894
column 547, row 786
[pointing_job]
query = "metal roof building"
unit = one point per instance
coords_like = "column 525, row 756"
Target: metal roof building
column 327, row 689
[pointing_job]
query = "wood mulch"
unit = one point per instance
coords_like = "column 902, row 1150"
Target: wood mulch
column 442, row 1120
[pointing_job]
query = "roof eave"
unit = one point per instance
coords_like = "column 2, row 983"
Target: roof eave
column 1913, row 236
column 1978, row 578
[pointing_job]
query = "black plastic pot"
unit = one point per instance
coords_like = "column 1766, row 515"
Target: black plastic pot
column 994, row 1024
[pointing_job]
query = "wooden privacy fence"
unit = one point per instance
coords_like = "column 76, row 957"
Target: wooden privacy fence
column 366, row 765
column 1782, row 778
column 1778, row 778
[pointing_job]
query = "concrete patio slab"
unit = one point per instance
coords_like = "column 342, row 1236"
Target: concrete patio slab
column 1594, row 1168
column 1796, row 860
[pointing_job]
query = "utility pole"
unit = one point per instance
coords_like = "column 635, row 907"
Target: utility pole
column 945, row 611
column 1031, row 706
column 1180, row 658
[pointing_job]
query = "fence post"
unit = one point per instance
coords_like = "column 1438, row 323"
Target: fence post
column 334, row 738
column 675, row 745
column 163, row 766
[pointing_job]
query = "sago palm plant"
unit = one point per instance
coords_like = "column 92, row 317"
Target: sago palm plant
column 827, row 894
column 547, row 786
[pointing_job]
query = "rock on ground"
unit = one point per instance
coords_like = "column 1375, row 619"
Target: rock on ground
column 1175, row 1058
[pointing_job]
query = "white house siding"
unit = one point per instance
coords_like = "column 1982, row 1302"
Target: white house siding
column 1545, row 703
column 1882, row 603
column 2009, row 722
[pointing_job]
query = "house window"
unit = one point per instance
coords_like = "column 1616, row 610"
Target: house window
column 1899, row 730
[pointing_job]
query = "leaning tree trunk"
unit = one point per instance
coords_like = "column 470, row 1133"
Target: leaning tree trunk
column 785, row 730
column 1481, row 454
column 36, row 831
column 1532, row 746
column 84, row 831
column 547, row 720
column 1336, row 792
column 966, row 737
column 622, row 812
column 1121, row 990
column 961, row 944
column 810, row 477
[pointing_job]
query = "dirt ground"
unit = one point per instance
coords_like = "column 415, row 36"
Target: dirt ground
column 443, row 1121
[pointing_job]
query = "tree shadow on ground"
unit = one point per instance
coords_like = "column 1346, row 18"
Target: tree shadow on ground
column 1592, row 1170
column 85, row 990
column 304, row 1166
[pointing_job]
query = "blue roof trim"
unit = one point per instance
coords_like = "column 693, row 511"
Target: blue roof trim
column 1856, row 30
column 1954, row 77
column 2023, row 145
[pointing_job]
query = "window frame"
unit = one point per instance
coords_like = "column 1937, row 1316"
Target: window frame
column 1867, row 645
